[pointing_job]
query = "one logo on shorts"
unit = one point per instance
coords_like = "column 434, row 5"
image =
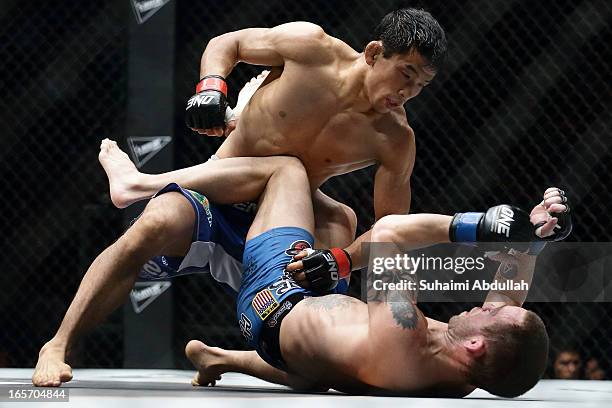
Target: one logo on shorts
column 264, row 303
column 297, row 247
column 245, row 327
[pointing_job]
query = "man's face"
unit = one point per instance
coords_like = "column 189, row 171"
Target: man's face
column 395, row 80
column 472, row 322
column 567, row 365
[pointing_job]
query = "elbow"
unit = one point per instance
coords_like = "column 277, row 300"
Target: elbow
column 219, row 40
column 386, row 229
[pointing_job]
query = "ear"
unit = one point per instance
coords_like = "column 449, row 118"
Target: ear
column 373, row 51
column 475, row 345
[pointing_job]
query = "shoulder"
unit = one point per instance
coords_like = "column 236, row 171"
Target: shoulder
column 302, row 29
column 303, row 41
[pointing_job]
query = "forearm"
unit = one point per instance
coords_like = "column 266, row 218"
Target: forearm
column 358, row 259
column 521, row 271
column 220, row 55
column 407, row 232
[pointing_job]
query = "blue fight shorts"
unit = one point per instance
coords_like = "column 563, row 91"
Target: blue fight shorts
column 217, row 244
column 267, row 294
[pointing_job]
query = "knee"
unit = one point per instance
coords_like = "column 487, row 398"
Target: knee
column 289, row 164
column 163, row 219
column 290, row 168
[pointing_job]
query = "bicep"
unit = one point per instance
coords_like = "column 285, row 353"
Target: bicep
column 274, row 46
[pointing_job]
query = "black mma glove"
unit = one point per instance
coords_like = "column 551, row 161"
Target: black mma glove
column 323, row 268
column 207, row 108
column 505, row 223
column 502, row 223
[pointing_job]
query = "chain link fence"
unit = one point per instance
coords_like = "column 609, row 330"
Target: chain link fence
column 522, row 103
column 63, row 80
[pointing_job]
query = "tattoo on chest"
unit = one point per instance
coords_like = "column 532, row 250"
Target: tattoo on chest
column 329, row 302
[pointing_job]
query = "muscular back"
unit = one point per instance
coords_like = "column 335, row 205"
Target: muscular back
column 307, row 109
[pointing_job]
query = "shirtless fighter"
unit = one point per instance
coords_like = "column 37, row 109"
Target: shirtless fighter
column 388, row 346
column 334, row 108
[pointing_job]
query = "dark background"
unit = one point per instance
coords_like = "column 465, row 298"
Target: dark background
column 523, row 103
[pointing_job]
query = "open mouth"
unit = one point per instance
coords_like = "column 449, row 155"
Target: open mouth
column 390, row 103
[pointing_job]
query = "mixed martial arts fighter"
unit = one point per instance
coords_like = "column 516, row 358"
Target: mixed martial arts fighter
column 334, row 108
column 388, row 346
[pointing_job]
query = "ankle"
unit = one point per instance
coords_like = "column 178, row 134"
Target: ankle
column 54, row 346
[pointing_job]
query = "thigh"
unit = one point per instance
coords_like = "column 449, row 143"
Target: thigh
column 286, row 200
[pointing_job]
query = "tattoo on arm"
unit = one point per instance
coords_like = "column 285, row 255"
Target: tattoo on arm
column 404, row 311
column 400, row 302
column 507, row 271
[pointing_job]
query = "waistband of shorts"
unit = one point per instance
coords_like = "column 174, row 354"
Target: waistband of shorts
column 280, row 231
column 269, row 336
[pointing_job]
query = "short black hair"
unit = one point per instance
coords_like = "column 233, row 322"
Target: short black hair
column 410, row 29
column 515, row 359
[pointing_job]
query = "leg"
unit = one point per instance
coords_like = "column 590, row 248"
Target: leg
column 285, row 201
column 335, row 223
column 212, row 362
column 226, row 181
column 165, row 226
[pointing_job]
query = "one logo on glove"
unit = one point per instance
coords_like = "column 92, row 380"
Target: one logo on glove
column 197, row 100
column 503, row 221
column 333, row 265
column 297, row 247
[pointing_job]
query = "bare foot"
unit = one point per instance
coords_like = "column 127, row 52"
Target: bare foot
column 122, row 175
column 51, row 370
column 209, row 361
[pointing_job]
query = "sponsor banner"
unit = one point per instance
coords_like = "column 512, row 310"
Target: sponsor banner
column 144, row 293
column 144, row 9
column 143, row 149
